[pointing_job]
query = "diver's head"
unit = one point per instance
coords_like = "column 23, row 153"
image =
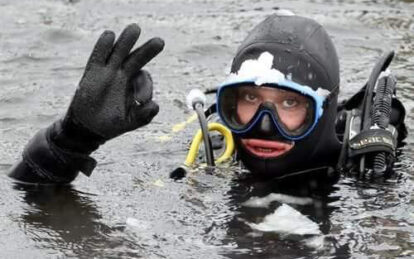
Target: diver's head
column 281, row 96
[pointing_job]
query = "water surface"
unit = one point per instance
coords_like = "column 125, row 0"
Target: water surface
column 129, row 207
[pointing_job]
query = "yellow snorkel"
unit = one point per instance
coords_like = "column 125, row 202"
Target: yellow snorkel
column 196, row 100
column 195, row 144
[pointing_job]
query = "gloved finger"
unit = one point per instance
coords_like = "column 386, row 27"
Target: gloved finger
column 142, row 115
column 102, row 49
column 142, row 55
column 124, row 44
column 142, row 87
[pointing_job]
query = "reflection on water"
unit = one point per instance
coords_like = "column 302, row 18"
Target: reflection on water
column 59, row 217
column 310, row 195
column 129, row 207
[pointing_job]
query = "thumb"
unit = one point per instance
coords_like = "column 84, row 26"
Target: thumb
column 142, row 87
column 142, row 115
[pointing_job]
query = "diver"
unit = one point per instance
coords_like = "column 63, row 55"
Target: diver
column 280, row 103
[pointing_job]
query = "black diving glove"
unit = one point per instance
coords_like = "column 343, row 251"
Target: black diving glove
column 114, row 96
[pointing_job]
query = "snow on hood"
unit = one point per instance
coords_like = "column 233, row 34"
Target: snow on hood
column 260, row 72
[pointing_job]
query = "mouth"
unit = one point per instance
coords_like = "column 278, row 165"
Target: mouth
column 266, row 148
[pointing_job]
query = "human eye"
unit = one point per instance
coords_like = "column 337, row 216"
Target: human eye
column 290, row 102
column 250, row 97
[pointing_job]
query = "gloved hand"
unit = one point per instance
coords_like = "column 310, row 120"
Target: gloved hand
column 113, row 97
column 114, row 94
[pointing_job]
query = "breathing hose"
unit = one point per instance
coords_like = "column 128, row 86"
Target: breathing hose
column 199, row 108
column 379, row 67
column 381, row 115
column 196, row 100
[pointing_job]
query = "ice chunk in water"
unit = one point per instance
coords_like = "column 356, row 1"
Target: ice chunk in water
column 138, row 224
column 264, row 202
column 287, row 220
column 284, row 12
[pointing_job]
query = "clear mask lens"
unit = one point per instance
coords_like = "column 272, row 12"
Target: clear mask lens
column 241, row 106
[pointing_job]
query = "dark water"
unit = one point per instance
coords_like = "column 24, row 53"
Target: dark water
column 129, row 207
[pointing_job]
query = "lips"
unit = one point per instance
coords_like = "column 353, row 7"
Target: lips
column 266, row 148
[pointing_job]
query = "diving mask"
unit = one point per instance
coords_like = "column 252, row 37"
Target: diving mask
column 295, row 109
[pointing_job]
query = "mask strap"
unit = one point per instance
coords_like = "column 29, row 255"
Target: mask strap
column 327, row 100
column 211, row 110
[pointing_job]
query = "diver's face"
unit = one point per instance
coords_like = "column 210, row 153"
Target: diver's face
column 291, row 109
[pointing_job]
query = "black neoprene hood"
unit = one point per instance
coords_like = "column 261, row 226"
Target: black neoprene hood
column 302, row 50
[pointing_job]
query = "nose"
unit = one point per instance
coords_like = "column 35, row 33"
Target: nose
column 266, row 126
